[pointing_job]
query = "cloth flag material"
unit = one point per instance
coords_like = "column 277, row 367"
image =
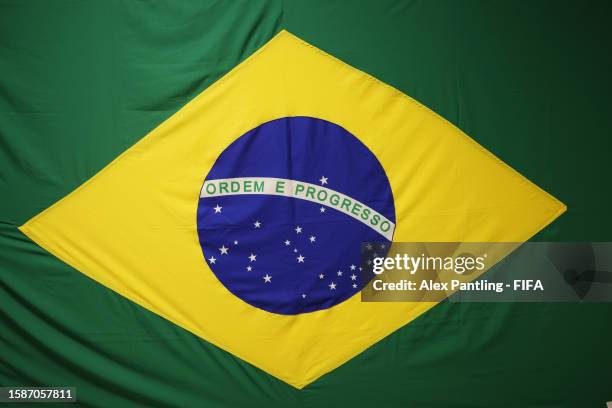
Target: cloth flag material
column 239, row 218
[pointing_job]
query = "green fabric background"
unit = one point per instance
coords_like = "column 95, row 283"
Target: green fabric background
column 81, row 81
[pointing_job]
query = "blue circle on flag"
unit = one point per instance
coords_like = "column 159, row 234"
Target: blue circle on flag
column 284, row 210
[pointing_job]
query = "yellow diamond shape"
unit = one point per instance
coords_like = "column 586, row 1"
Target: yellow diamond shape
column 132, row 227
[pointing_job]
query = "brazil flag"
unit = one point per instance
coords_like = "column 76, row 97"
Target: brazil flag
column 185, row 187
